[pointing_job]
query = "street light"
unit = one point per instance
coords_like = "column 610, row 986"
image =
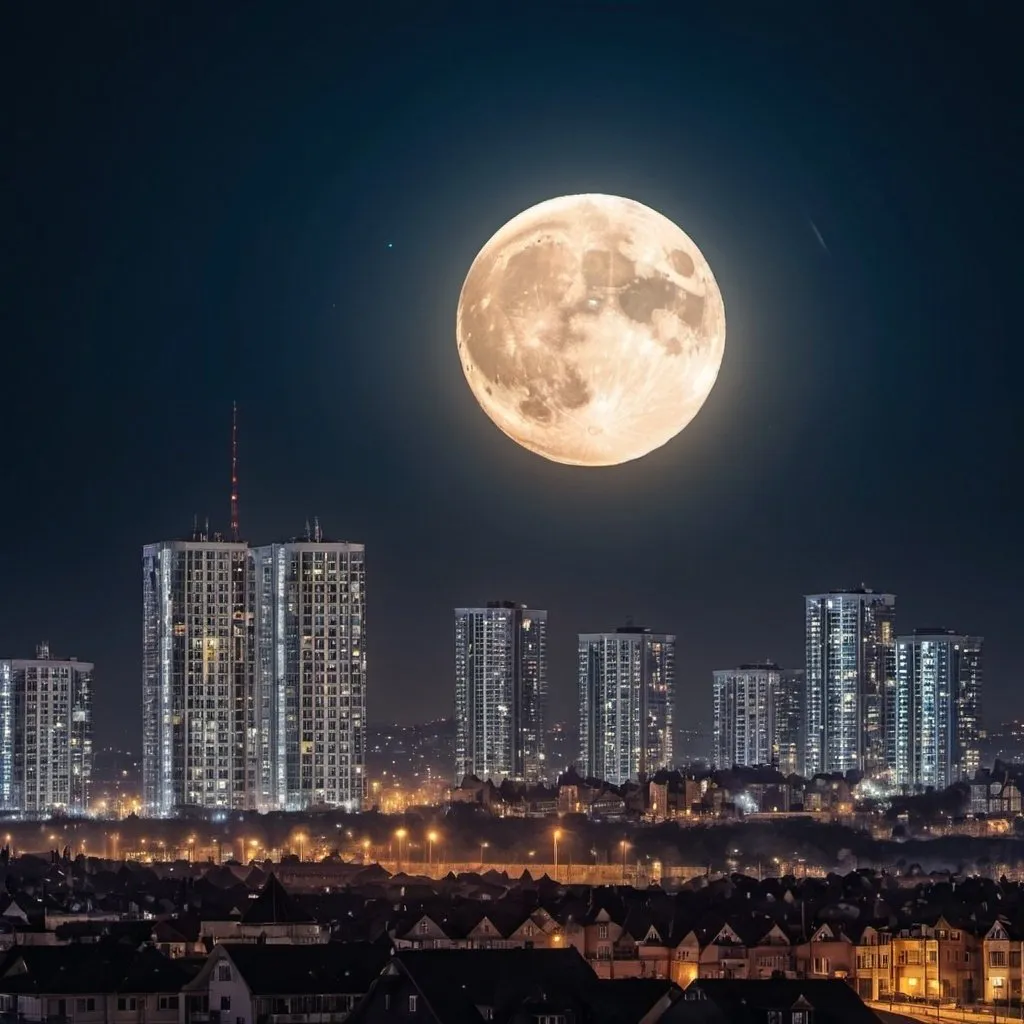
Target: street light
column 400, row 835
column 625, row 847
column 431, row 839
column 483, row 860
column 556, row 835
column 300, row 839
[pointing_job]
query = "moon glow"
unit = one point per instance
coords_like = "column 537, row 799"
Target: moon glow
column 590, row 329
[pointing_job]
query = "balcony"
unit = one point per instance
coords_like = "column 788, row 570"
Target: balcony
column 332, row 1017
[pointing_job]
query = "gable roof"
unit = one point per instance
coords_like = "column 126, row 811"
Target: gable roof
column 275, row 906
column 335, row 968
column 91, row 968
column 454, row 982
column 832, row 999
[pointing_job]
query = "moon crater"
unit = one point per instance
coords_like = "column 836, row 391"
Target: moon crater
column 590, row 329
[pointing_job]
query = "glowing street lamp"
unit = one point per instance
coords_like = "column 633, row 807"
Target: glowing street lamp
column 300, row 839
column 400, row 835
column 483, row 860
column 431, row 839
column 556, row 835
column 625, row 846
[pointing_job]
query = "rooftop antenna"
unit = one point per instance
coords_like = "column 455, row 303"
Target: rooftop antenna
column 206, row 528
column 234, row 471
column 195, row 525
column 308, row 533
column 318, row 534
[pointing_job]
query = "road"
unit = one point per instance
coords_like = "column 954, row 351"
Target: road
column 920, row 1012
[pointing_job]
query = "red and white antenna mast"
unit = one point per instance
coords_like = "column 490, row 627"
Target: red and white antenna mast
column 234, row 471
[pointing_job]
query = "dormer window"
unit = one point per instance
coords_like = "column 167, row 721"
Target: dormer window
column 424, row 927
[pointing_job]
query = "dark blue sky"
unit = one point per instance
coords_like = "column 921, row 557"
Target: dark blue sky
column 199, row 203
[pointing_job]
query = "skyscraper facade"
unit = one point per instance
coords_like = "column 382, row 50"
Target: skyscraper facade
column 850, row 682
column 45, row 735
column 311, row 673
column 789, row 720
column 626, row 696
column 938, row 706
column 500, row 691
column 200, row 746
column 744, row 715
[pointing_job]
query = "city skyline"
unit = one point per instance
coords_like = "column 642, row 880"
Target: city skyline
column 290, row 227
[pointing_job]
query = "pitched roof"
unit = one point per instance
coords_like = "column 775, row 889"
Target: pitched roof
column 275, row 906
column 91, row 968
column 334, row 968
column 833, row 1000
column 452, row 980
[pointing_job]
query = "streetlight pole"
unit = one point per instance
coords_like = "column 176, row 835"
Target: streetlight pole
column 483, row 856
column 625, row 846
column 555, row 837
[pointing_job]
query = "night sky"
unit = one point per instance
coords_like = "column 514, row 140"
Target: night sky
column 277, row 203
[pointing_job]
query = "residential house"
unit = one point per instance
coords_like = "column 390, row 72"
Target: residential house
column 272, row 916
column 937, row 962
column 873, row 967
column 724, row 955
column 771, row 1001
column 1001, row 955
column 828, row 954
column 246, row 983
column 94, row 983
column 532, row 986
column 995, row 794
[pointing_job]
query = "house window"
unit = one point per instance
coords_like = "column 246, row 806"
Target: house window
column 223, row 972
column 602, row 931
column 424, row 927
column 225, row 1002
column 126, row 1002
column 85, row 1005
column 799, row 1017
column 168, row 1002
column 774, row 1017
column 820, row 966
column 413, row 1000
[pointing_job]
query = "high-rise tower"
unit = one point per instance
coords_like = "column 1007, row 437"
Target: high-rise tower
column 938, row 705
column 311, row 673
column 199, row 719
column 500, row 691
column 745, row 702
column 199, row 699
column 626, row 694
column 45, row 735
column 789, row 720
column 850, row 682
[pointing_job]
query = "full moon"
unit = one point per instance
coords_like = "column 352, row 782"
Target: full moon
column 591, row 329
